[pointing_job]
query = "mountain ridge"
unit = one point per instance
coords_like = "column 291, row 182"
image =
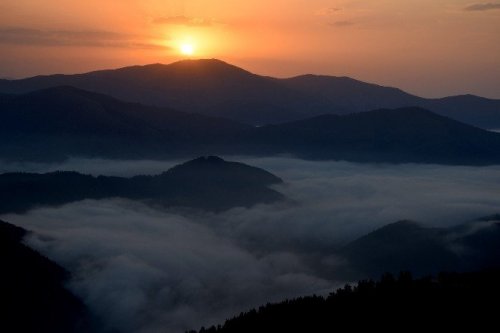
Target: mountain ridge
column 55, row 123
column 216, row 88
column 206, row 183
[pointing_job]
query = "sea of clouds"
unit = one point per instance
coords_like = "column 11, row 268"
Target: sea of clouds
column 147, row 270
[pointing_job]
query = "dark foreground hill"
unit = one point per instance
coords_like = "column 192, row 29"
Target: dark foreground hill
column 407, row 245
column 213, row 87
column 207, row 183
column 62, row 122
column 33, row 297
column 449, row 302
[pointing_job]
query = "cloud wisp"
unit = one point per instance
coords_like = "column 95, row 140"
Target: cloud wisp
column 328, row 11
column 481, row 7
column 342, row 24
column 85, row 38
column 184, row 20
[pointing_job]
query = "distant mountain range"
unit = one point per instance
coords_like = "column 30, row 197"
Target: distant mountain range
column 207, row 183
column 34, row 298
column 59, row 122
column 215, row 88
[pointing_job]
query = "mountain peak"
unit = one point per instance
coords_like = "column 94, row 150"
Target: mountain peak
column 214, row 168
column 204, row 61
column 207, row 66
column 208, row 160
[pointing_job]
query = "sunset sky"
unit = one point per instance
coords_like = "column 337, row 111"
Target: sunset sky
column 427, row 47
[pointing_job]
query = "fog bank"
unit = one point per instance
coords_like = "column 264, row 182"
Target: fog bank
column 147, row 270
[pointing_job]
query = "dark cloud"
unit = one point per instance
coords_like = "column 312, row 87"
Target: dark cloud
column 183, row 20
column 483, row 7
column 180, row 271
column 23, row 36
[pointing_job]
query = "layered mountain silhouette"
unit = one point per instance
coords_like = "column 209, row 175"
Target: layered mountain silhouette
column 213, row 87
column 34, row 298
column 409, row 246
column 59, row 122
column 67, row 121
column 347, row 95
column 207, row 183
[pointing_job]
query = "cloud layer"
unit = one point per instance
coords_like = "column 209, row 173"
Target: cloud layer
column 144, row 270
column 184, row 20
column 483, row 7
column 88, row 38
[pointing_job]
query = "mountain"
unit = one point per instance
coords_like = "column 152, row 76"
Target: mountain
column 469, row 109
column 59, row 122
column 388, row 135
column 449, row 301
column 215, row 88
column 34, row 298
column 401, row 246
column 210, row 87
column 409, row 246
column 347, row 95
column 207, row 183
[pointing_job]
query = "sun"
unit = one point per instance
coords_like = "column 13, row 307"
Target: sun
column 187, row 49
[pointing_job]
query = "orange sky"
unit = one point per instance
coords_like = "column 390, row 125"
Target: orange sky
column 428, row 47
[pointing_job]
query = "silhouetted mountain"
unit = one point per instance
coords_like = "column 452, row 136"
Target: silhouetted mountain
column 409, row 246
column 208, row 183
column 469, row 109
column 398, row 247
column 449, row 302
column 349, row 95
column 211, row 87
column 33, row 297
column 64, row 121
column 215, row 88
column 400, row 135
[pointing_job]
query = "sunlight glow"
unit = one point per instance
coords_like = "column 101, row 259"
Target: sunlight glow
column 187, row 49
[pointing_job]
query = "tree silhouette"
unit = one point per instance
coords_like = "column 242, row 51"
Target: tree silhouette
column 448, row 301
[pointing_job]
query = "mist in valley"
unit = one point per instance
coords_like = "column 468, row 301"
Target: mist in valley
column 144, row 269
